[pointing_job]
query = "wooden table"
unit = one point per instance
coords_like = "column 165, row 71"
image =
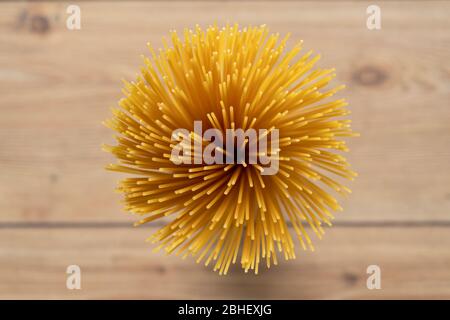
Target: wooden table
column 57, row 203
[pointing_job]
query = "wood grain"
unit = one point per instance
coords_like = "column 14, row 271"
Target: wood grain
column 116, row 263
column 57, row 203
column 56, row 86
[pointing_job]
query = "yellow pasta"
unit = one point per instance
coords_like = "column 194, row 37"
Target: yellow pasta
column 232, row 78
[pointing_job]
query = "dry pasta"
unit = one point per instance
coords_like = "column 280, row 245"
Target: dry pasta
column 223, row 213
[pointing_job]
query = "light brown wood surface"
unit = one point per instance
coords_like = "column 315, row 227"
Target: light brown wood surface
column 119, row 265
column 57, row 205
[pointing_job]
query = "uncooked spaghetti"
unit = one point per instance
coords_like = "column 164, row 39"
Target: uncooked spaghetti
column 232, row 78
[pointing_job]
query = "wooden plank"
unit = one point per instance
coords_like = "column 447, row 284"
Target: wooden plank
column 116, row 263
column 56, row 87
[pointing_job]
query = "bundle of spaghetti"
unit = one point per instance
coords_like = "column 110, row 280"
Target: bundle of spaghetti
column 232, row 78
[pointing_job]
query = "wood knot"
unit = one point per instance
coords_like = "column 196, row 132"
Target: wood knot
column 350, row 278
column 40, row 24
column 160, row 270
column 370, row 76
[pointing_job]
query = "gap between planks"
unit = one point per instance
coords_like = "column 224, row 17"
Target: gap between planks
column 111, row 225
